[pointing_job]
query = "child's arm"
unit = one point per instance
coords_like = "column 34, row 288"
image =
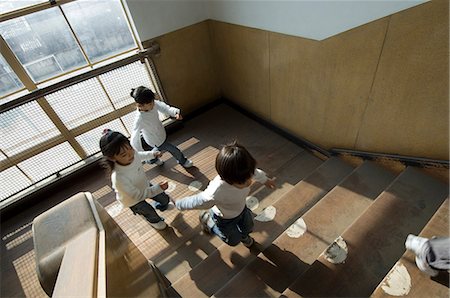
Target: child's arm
column 198, row 201
column 261, row 177
column 148, row 155
column 135, row 140
column 130, row 193
column 168, row 110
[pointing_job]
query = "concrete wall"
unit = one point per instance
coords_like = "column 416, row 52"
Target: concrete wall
column 309, row 19
column 381, row 87
column 186, row 67
column 153, row 18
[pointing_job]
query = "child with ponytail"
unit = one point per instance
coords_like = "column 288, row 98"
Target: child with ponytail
column 129, row 180
column 148, row 124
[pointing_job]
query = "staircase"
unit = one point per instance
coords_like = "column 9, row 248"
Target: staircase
column 340, row 231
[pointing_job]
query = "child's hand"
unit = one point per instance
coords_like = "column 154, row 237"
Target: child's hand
column 178, row 117
column 164, row 185
column 270, row 183
column 156, row 152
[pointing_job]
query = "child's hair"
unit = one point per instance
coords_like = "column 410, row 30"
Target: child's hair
column 235, row 164
column 111, row 143
column 142, row 95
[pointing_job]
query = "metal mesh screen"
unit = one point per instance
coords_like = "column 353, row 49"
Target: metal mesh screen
column 80, row 103
column 38, row 149
column 50, row 161
column 128, row 120
column 2, row 157
column 90, row 140
column 118, row 83
column 24, row 127
column 12, row 181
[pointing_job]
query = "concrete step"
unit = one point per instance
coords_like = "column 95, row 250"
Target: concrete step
column 291, row 253
column 405, row 279
column 185, row 255
column 220, row 266
column 370, row 247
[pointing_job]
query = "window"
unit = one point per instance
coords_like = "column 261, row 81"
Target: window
column 101, row 27
column 9, row 5
column 48, row 44
column 43, row 44
column 9, row 82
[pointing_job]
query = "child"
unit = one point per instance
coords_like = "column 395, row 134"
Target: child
column 153, row 133
column 229, row 218
column 129, row 180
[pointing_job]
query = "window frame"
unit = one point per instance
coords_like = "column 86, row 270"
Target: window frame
column 36, row 91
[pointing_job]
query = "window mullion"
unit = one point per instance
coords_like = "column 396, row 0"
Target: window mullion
column 30, row 9
column 17, row 166
column 15, row 64
column 111, row 102
column 76, row 38
column 30, row 85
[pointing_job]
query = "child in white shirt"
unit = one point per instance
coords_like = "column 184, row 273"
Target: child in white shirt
column 229, row 218
column 129, row 180
column 153, row 133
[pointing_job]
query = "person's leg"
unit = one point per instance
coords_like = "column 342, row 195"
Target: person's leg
column 146, row 210
column 227, row 230
column 245, row 225
column 161, row 201
column 176, row 153
column 147, row 147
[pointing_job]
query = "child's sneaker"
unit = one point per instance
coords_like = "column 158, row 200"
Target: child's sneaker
column 206, row 221
column 160, row 225
column 158, row 162
column 248, row 241
column 188, row 163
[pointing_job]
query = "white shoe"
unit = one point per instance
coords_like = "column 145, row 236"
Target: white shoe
column 421, row 247
column 160, row 225
column 159, row 162
column 415, row 243
column 206, row 221
column 188, row 163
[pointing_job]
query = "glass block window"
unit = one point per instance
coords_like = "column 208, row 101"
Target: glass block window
column 24, row 127
column 49, row 162
column 12, row 180
column 90, row 140
column 80, row 103
column 101, row 27
column 118, row 83
column 9, row 82
column 43, row 43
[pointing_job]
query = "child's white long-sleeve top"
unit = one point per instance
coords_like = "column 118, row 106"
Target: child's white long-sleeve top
column 130, row 183
column 227, row 201
column 151, row 127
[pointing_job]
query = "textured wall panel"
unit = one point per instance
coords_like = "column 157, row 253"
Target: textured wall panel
column 319, row 90
column 242, row 56
column 408, row 107
column 186, row 67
